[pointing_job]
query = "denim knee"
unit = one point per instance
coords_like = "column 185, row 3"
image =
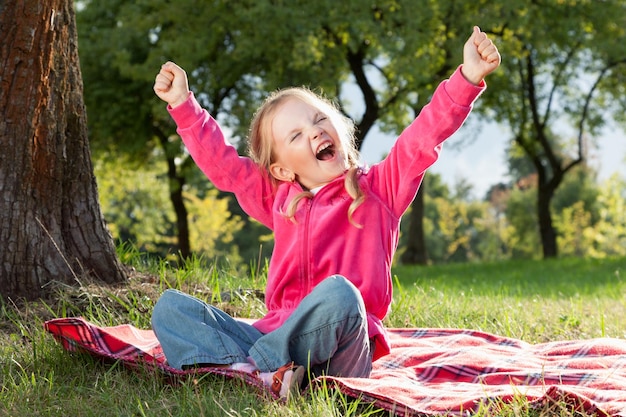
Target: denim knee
column 342, row 294
column 169, row 301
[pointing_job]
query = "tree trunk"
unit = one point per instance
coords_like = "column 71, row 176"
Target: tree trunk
column 176, row 183
column 544, row 216
column 182, row 221
column 416, row 252
column 51, row 226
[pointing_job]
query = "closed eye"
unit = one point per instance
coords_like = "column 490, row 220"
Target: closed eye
column 320, row 118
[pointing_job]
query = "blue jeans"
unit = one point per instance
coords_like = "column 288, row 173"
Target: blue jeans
column 327, row 333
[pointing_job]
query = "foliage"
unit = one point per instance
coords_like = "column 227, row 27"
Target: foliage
column 596, row 234
column 119, row 107
column 521, row 215
column 212, row 226
column 580, row 186
column 451, row 224
column 556, row 89
column 380, row 65
column 123, row 45
column 459, row 229
column 135, row 205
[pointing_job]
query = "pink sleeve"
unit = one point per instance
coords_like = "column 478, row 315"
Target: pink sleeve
column 221, row 163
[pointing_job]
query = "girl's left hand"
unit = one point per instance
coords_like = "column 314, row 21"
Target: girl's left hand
column 480, row 57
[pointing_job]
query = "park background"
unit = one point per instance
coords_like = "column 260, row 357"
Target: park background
column 481, row 200
column 521, row 180
column 486, row 263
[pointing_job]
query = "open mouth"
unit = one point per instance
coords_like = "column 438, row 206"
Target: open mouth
column 325, row 152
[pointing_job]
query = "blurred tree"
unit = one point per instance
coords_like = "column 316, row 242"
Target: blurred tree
column 120, row 106
column 575, row 230
column 595, row 230
column 394, row 52
column 135, row 204
column 458, row 229
column 610, row 230
column 580, row 186
column 213, row 227
column 462, row 230
column 564, row 67
column 51, row 226
column 123, row 44
column 521, row 215
column 434, row 246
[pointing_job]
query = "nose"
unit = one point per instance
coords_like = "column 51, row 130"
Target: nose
column 315, row 132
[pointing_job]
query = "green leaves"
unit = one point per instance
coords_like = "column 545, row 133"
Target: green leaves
column 563, row 74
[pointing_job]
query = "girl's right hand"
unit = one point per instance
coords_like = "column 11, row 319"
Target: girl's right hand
column 170, row 84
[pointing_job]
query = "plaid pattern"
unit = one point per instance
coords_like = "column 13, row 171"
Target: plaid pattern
column 133, row 347
column 429, row 371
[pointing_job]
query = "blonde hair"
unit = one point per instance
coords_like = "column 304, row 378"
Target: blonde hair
column 260, row 141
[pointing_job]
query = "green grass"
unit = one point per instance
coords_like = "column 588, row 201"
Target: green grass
column 536, row 301
column 533, row 300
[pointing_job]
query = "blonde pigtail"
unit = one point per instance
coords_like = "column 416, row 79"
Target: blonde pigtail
column 351, row 183
column 293, row 205
column 354, row 190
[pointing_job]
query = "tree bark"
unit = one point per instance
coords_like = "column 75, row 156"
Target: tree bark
column 51, row 226
column 547, row 232
column 176, row 183
column 416, row 252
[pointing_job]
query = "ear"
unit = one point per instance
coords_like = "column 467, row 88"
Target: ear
column 281, row 173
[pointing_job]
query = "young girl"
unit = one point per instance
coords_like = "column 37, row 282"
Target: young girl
column 335, row 226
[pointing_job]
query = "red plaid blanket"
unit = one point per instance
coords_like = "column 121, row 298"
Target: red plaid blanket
column 429, row 371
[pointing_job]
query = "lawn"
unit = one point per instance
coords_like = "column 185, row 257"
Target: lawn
column 535, row 301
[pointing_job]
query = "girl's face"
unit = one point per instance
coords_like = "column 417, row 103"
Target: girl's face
column 306, row 145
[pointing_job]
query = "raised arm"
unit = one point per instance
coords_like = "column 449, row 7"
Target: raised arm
column 397, row 178
column 212, row 153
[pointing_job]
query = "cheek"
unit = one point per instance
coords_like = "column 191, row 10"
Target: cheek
column 277, row 153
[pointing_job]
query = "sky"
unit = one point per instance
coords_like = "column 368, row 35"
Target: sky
column 477, row 151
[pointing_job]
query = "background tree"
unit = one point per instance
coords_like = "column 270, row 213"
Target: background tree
column 233, row 60
column 51, row 226
column 609, row 232
column 121, row 105
column 123, row 44
column 380, row 62
column 562, row 78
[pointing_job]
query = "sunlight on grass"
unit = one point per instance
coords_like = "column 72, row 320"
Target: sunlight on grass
column 536, row 301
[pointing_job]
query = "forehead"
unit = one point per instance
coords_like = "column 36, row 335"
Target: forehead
column 295, row 105
column 291, row 112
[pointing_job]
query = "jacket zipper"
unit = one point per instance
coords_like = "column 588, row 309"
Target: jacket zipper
column 305, row 270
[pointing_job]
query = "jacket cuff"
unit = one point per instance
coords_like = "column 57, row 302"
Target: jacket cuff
column 186, row 113
column 462, row 91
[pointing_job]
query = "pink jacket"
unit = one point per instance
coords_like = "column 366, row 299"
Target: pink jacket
column 322, row 242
